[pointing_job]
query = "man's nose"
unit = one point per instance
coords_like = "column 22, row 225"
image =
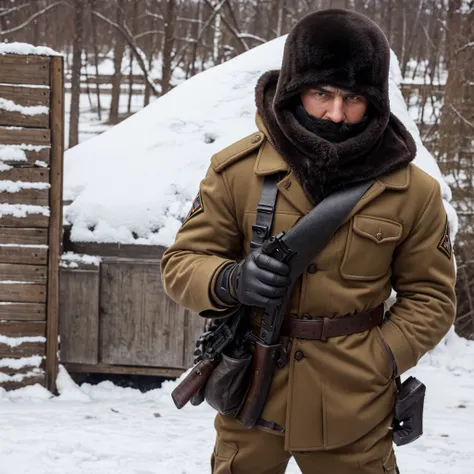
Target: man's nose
column 335, row 110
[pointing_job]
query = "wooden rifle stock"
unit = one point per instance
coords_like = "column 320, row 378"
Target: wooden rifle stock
column 263, row 362
column 192, row 382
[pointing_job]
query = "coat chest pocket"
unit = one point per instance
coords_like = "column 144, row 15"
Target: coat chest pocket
column 370, row 244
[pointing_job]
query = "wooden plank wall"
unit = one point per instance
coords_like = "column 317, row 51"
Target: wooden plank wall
column 31, row 154
column 117, row 319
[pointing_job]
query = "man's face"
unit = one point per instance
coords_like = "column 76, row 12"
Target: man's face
column 332, row 103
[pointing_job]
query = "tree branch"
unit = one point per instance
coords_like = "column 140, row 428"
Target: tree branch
column 229, row 27
column 215, row 11
column 254, row 37
column 7, row 11
column 32, row 17
column 154, row 15
column 149, row 32
column 465, row 120
column 136, row 51
column 466, row 46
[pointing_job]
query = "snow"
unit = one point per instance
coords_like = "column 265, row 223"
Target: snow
column 33, row 361
column 22, row 210
column 153, row 161
column 17, row 186
column 152, row 164
column 20, row 377
column 10, row 106
column 18, row 341
column 25, row 48
column 11, row 153
column 105, row 429
column 15, row 282
column 31, row 246
column 72, row 260
column 23, row 146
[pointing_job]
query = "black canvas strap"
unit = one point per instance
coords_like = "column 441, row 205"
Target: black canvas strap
column 265, row 211
column 304, row 240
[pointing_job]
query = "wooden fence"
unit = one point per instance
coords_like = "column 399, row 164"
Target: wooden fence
column 116, row 317
column 31, row 157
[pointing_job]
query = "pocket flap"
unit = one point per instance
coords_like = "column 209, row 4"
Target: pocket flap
column 377, row 229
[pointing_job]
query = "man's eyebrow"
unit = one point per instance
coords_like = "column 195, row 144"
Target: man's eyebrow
column 344, row 92
column 323, row 89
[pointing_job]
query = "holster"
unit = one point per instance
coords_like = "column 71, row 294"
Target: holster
column 408, row 412
column 226, row 388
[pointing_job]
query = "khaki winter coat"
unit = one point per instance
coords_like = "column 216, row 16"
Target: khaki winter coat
column 394, row 237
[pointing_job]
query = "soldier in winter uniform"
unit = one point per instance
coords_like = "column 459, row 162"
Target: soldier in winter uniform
column 324, row 122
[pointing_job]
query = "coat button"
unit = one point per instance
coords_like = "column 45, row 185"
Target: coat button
column 256, row 138
column 312, row 268
column 299, row 355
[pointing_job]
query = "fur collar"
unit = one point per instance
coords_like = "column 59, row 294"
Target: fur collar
column 323, row 167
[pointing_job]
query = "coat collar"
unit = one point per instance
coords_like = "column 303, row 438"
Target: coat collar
column 269, row 161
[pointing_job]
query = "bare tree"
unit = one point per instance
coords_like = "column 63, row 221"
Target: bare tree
column 118, row 56
column 96, row 57
column 456, row 134
column 168, row 43
column 78, row 44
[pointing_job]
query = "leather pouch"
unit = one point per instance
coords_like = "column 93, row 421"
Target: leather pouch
column 226, row 388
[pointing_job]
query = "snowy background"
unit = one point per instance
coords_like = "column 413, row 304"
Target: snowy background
column 152, row 179
column 152, row 164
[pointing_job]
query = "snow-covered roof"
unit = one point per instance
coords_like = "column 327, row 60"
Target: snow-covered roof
column 135, row 183
column 25, row 48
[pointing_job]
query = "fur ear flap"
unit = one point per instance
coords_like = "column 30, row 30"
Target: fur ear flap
column 262, row 82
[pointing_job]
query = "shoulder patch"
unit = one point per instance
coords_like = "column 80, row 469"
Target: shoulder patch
column 444, row 245
column 196, row 207
column 237, row 150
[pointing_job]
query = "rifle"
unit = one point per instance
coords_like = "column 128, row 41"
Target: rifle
column 208, row 353
column 297, row 247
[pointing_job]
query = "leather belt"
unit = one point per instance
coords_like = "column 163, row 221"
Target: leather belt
column 324, row 328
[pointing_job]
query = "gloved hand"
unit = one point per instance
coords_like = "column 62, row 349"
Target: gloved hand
column 258, row 280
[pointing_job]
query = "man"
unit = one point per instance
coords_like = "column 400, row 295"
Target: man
column 324, row 122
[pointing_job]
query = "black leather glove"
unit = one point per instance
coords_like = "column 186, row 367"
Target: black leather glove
column 258, row 280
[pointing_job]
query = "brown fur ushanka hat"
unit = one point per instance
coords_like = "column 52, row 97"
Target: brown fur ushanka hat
column 338, row 47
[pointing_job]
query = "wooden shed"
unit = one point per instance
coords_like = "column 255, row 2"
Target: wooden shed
column 116, row 318
column 31, row 156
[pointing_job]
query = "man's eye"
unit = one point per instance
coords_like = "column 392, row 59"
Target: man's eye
column 320, row 94
column 353, row 97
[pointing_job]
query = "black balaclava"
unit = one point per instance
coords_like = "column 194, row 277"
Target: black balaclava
column 327, row 129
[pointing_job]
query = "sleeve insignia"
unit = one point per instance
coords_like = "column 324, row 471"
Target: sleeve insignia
column 445, row 243
column 196, row 207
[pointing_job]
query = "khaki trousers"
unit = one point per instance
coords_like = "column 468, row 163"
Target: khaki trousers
column 261, row 451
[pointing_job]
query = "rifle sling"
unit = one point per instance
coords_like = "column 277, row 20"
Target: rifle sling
column 310, row 235
column 265, row 211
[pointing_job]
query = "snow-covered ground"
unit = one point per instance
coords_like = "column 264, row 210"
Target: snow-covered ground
column 105, row 429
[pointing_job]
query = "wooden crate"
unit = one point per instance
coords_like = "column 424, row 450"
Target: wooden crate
column 31, row 144
column 116, row 317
